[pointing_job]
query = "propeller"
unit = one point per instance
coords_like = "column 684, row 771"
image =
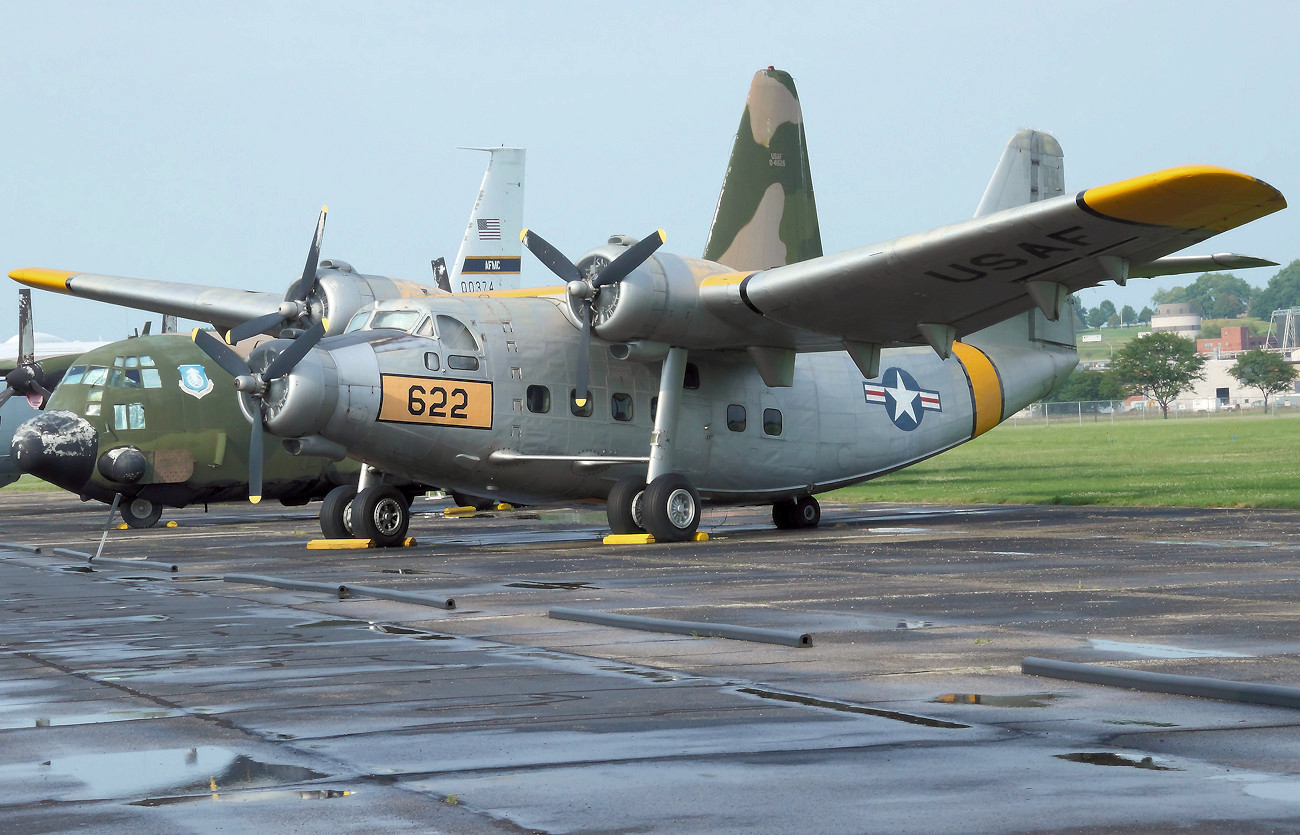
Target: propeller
column 255, row 385
column 586, row 289
column 27, row 378
column 295, row 305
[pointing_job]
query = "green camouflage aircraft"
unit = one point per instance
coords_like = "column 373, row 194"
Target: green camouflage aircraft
column 804, row 376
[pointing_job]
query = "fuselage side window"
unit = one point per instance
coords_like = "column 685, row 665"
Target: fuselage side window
column 431, row 361
column 736, row 417
column 691, row 379
column 583, row 410
column 772, row 421
column 539, row 399
column 460, row 362
column 454, row 335
column 620, row 406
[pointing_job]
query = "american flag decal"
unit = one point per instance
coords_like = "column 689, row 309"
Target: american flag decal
column 489, row 229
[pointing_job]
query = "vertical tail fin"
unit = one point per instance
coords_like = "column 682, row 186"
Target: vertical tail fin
column 766, row 214
column 489, row 253
column 1032, row 168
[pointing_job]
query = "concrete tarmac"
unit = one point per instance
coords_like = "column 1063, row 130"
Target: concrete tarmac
column 134, row 698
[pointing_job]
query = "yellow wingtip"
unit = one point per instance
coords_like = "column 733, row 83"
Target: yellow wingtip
column 1187, row 197
column 43, row 279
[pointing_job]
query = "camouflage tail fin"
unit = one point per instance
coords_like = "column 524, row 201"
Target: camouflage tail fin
column 1031, row 169
column 766, row 214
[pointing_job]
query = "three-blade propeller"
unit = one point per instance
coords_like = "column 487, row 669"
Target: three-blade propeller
column 255, row 384
column 27, row 378
column 586, row 289
column 295, row 305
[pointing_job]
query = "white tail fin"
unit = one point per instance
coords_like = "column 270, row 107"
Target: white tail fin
column 489, row 253
column 1031, row 169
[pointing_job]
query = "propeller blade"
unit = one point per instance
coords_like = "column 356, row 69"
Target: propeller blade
column 631, row 258
column 26, row 335
column 284, row 362
column 584, row 357
column 220, row 353
column 255, row 458
column 299, row 289
column 253, row 327
column 5, row 395
column 552, row 258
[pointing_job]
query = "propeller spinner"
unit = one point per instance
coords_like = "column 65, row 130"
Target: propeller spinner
column 586, row 289
column 27, row 378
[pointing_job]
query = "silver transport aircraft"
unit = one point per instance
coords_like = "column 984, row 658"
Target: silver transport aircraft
column 658, row 382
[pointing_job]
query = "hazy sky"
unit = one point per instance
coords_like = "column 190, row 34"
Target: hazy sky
column 196, row 141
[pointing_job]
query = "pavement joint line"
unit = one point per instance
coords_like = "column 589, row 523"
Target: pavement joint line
column 684, row 627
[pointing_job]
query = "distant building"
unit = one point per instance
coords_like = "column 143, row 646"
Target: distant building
column 1177, row 318
column 1230, row 341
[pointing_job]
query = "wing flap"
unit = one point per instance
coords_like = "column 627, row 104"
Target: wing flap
column 973, row 274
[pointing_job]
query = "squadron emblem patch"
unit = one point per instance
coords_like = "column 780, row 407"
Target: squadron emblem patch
column 194, row 380
column 905, row 402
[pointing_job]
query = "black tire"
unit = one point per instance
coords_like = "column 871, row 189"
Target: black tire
column 783, row 515
column 380, row 513
column 807, row 513
column 336, row 512
column 140, row 513
column 670, row 508
column 623, row 507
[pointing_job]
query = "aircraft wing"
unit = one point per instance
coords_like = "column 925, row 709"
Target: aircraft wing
column 222, row 307
column 943, row 284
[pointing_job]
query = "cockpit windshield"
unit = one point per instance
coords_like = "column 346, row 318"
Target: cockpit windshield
column 400, row 320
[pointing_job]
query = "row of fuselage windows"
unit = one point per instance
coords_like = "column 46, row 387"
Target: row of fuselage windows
column 538, row 401
column 125, row 372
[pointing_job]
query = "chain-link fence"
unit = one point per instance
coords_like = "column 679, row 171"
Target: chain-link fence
column 1099, row 411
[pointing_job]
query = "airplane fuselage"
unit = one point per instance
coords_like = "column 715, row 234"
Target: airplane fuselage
column 488, row 407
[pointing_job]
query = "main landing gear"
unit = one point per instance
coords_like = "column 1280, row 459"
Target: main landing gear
column 792, row 514
column 140, row 513
column 664, row 505
column 373, row 510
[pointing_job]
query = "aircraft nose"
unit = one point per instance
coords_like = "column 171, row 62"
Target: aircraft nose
column 58, row 446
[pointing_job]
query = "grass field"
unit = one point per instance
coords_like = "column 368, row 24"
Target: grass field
column 1240, row 461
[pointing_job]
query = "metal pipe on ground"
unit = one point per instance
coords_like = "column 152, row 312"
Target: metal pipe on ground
column 685, row 627
column 400, row 596
column 282, row 583
column 1207, row 688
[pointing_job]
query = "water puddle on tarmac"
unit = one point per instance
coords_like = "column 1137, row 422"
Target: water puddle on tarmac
column 536, row 584
column 1029, row 700
column 845, row 707
column 1110, row 758
column 204, row 770
column 656, row 676
column 404, row 571
column 386, row 628
column 95, row 718
column 1161, row 650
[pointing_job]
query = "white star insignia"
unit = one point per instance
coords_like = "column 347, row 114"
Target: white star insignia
column 904, row 398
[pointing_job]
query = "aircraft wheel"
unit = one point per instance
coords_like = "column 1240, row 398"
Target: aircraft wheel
column 336, row 512
column 140, row 513
column 623, row 507
column 783, row 515
column 670, row 508
column 382, row 514
column 807, row 513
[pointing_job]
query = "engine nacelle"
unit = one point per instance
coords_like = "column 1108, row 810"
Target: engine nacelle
column 341, row 291
column 664, row 301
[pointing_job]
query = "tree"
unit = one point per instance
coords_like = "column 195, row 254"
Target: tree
column 1145, row 315
column 1099, row 314
column 1264, row 370
column 1085, row 384
column 1128, row 315
column 1160, row 365
column 1212, row 295
column 1282, row 291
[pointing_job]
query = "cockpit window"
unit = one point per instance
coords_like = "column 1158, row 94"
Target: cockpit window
column 425, row 328
column 96, row 375
column 401, row 320
column 358, row 321
column 74, row 375
column 454, row 335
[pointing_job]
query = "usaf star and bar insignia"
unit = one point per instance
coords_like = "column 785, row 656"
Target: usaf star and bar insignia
column 904, row 400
